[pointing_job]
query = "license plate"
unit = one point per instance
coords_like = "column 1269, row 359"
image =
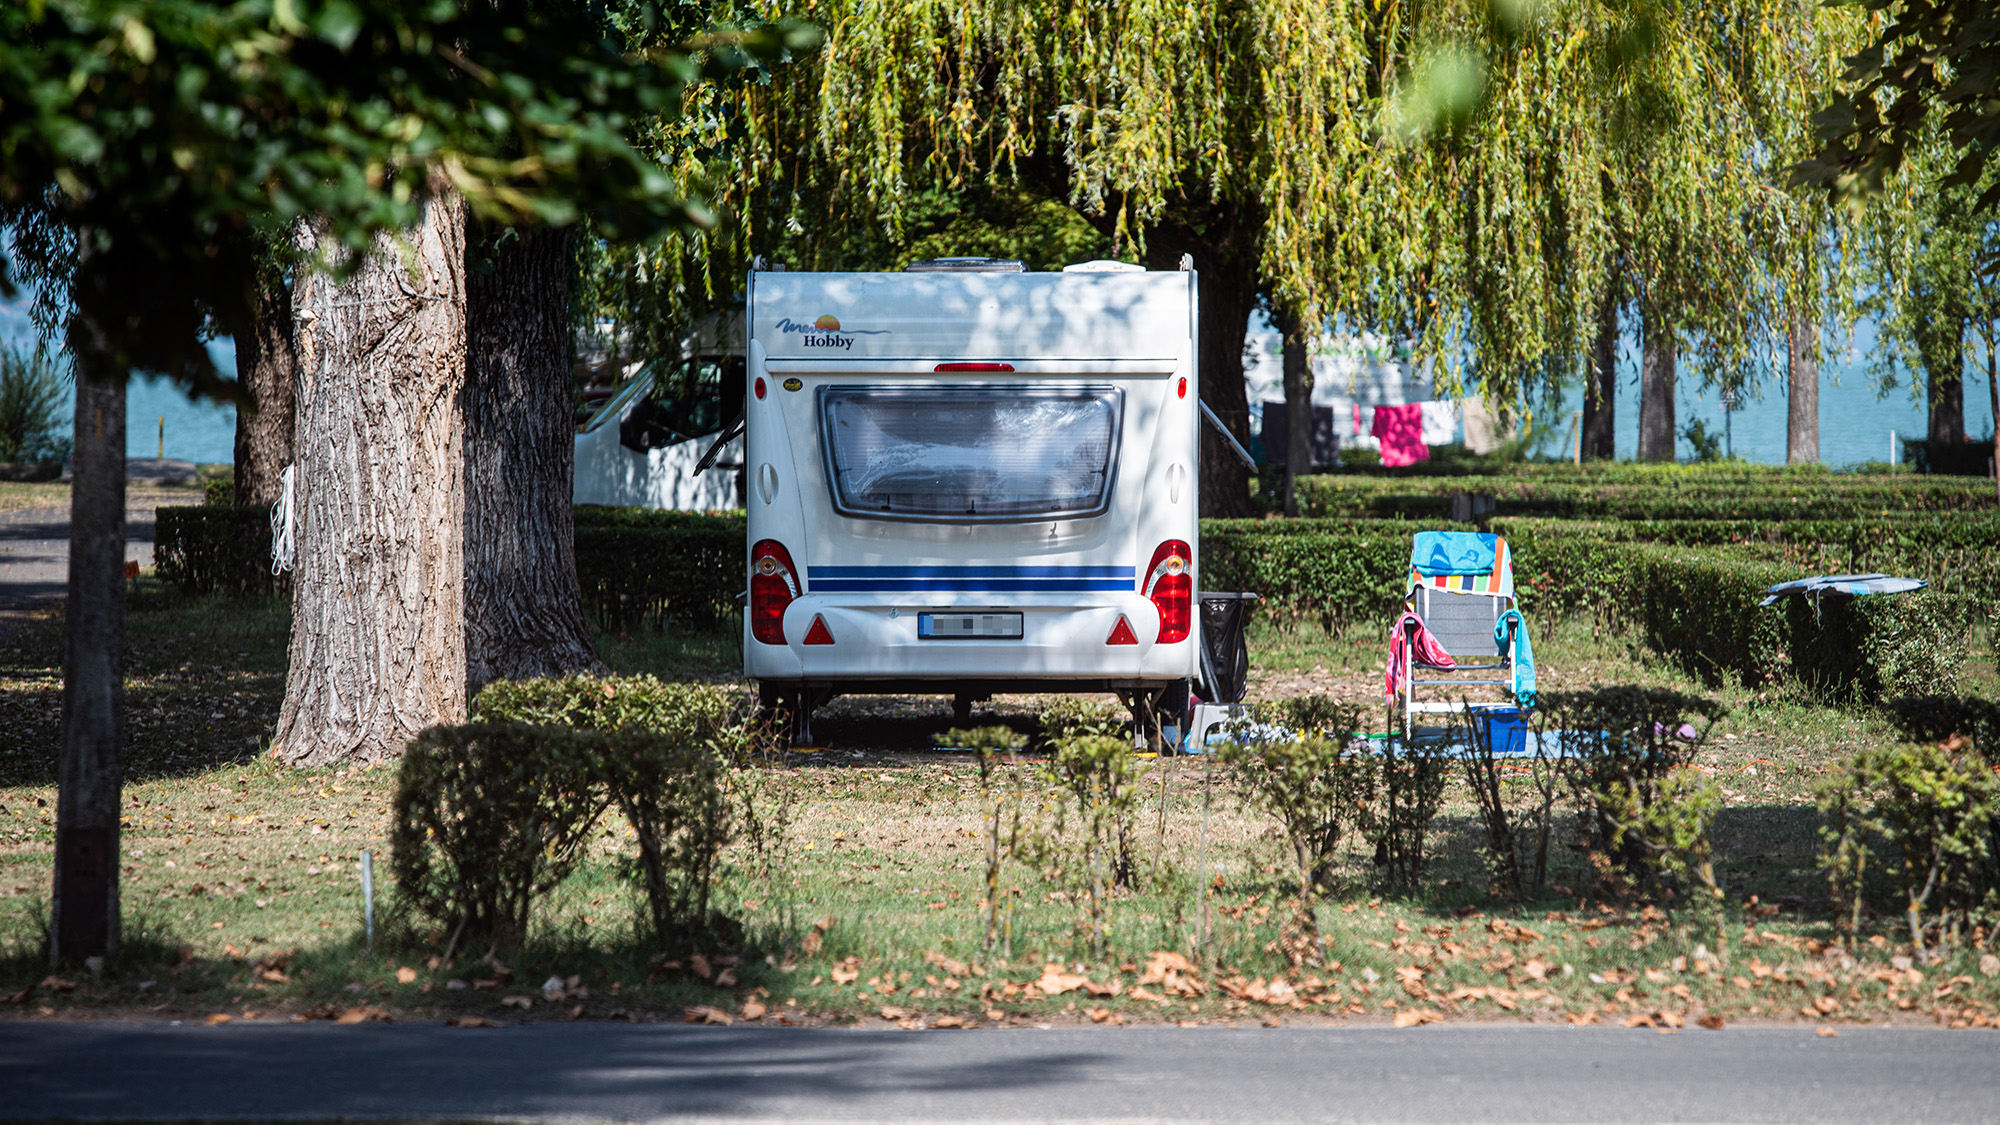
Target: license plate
column 969, row 626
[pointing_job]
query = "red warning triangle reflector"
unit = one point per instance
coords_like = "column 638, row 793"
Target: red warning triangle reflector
column 1121, row 633
column 819, row 634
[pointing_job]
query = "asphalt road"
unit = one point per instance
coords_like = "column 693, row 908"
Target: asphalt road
column 34, row 548
column 618, row 1072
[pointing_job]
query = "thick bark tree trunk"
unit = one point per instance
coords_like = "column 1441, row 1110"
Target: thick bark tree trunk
column 1802, row 393
column 1656, row 390
column 85, row 908
column 267, row 369
column 1600, row 399
column 378, row 606
column 523, row 607
column 1298, row 409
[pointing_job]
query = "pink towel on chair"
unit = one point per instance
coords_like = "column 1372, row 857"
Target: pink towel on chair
column 1428, row 651
column 1401, row 431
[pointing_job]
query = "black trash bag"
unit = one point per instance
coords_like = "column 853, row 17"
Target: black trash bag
column 1225, row 654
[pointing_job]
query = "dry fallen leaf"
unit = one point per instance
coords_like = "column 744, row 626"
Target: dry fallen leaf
column 753, row 1010
column 953, row 967
column 360, row 1015
column 703, row 1013
column 1711, row 1021
column 1639, row 1019
column 995, row 1014
column 1827, row 1033
column 58, row 984
column 1055, row 982
column 891, row 1012
column 218, row 1017
column 848, row 971
column 1989, row 965
column 472, row 1021
column 406, row 975
column 700, row 967
column 1416, row 1017
column 1537, row 970
column 1097, row 1015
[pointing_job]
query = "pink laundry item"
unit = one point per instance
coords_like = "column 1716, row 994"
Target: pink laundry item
column 1428, row 651
column 1401, row 431
column 1357, row 419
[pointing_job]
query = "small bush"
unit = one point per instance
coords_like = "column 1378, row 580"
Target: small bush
column 677, row 797
column 1318, row 788
column 1075, row 716
column 487, row 818
column 1516, row 808
column 1861, row 650
column 1623, row 746
column 205, row 549
column 1006, row 820
column 32, row 407
column 1088, row 849
column 702, row 715
column 1925, row 814
column 638, row 567
column 1414, row 775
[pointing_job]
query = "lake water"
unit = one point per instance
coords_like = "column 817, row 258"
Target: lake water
column 1855, row 422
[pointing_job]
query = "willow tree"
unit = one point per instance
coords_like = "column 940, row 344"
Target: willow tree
column 1238, row 132
column 1597, row 154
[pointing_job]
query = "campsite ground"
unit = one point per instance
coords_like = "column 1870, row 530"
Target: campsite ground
column 242, row 898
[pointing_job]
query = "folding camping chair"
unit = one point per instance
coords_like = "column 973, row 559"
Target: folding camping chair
column 1461, row 588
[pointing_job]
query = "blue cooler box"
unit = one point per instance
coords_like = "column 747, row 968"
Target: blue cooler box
column 1506, row 730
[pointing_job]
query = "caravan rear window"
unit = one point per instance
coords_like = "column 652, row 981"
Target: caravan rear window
column 971, row 453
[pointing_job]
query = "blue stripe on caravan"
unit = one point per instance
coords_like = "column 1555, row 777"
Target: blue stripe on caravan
column 974, row 571
column 1025, row 579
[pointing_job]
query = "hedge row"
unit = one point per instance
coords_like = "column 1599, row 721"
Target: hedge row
column 202, row 550
column 1695, row 606
column 1580, row 495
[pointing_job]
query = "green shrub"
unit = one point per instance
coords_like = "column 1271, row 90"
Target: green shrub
column 1645, row 828
column 702, row 715
column 1318, row 788
column 1516, row 807
column 487, row 818
column 1865, row 649
column 1006, row 822
column 1922, row 817
column 676, row 793
column 33, row 405
column 1414, row 775
column 1075, row 716
column 205, row 549
column 640, row 567
column 1088, row 849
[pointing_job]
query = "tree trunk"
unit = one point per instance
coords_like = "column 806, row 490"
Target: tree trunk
column 1228, row 266
column 266, row 368
column 85, row 908
column 378, row 608
column 1802, row 393
column 1298, row 409
column 1945, row 366
column 523, row 607
column 1656, row 390
column 1600, row 399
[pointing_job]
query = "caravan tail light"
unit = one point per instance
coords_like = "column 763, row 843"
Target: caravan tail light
column 1171, row 588
column 773, row 585
column 981, row 366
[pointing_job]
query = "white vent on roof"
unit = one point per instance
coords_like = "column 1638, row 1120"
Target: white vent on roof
column 1104, row 265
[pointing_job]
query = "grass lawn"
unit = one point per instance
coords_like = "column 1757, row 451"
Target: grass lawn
column 242, row 896
column 15, row 495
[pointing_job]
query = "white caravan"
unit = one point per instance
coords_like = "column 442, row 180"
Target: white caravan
column 962, row 481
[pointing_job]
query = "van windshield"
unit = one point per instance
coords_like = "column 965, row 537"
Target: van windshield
column 971, row 453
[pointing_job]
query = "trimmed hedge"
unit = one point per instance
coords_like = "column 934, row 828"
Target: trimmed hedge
column 1643, row 493
column 209, row 548
column 642, row 567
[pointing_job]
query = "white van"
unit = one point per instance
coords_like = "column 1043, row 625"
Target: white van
column 963, row 481
column 644, row 446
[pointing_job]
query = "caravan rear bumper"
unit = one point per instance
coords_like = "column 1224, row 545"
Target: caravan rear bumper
column 1059, row 644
